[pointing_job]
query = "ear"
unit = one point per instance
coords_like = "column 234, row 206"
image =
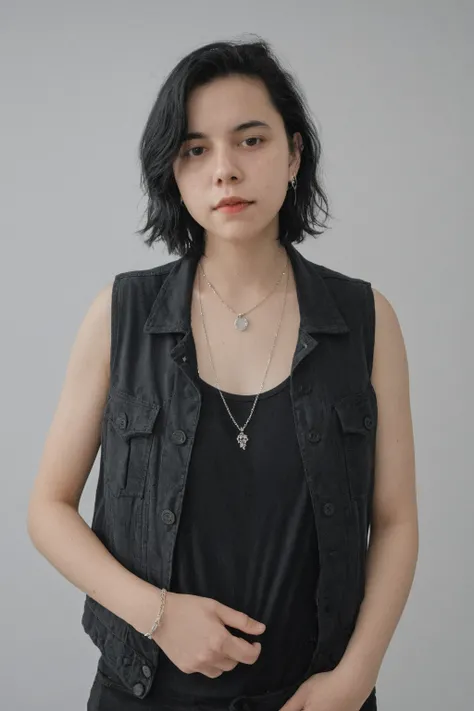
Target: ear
column 295, row 156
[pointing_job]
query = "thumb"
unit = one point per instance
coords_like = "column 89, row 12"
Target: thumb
column 239, row 620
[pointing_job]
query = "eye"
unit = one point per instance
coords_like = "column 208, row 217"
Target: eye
column 186, row 154
column 189, row 154
column 253, row 138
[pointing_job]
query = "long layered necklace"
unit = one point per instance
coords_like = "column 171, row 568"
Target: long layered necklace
column 242, row 437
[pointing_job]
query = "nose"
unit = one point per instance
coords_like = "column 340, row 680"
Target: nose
column 225, row 168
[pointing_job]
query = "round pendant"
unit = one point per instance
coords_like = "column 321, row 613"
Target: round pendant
column 241, row 323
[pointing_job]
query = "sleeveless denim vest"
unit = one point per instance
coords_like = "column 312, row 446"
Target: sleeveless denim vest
column 149, row 426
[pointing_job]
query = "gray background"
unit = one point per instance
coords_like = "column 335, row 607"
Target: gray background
column 391, row 87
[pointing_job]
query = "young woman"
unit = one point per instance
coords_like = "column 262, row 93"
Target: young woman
column 252, row 408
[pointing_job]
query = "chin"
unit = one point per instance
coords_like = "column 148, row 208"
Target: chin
column 236, row 235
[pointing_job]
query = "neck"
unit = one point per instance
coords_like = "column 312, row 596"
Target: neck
column 251, row 266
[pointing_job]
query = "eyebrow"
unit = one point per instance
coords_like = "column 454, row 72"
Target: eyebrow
column 240, row 127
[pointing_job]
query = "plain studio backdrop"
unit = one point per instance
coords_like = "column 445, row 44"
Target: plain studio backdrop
column 391, row 86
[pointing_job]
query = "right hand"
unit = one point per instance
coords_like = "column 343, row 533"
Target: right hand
column 192, row 634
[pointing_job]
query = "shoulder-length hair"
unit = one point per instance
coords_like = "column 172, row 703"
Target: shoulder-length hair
column 167, row 218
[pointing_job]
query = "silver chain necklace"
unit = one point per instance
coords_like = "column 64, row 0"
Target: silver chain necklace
column 242, row 438
column 241, row 323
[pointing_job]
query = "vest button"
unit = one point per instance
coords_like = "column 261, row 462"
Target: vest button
column 121, row 420
column 138, row 689
column 368, row 422
column 146, row 671
column 167, row 517
column 178, row 437
column 314, row 436
column 328, row 508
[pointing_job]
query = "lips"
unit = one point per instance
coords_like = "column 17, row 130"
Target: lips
column 233, row 201
column 233, row 208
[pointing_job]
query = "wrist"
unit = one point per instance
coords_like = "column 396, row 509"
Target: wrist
column 359, row 681
column 145, row 607
column 158, row 618
column 165, row 617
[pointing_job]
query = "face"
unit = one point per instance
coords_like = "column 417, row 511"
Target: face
column 230, row 158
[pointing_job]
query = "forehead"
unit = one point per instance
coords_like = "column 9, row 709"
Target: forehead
column 224, row 103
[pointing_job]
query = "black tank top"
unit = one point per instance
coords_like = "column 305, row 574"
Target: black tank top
column 247, row 538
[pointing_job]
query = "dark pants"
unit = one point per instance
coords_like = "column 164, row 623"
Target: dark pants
column 107, row 695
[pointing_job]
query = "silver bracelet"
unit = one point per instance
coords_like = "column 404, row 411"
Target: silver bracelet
column 149, row 634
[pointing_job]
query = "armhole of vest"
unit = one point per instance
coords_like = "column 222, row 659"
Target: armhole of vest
column 370, row 326
column 114, row 324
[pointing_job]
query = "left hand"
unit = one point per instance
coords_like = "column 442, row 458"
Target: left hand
column 327, row 691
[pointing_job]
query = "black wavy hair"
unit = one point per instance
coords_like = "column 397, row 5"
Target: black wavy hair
column 166, row 217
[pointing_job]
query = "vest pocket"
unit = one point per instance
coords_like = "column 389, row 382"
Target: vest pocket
column 129, row 424
column 357, row 416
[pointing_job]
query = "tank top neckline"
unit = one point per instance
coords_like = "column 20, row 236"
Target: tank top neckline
column 244, row 398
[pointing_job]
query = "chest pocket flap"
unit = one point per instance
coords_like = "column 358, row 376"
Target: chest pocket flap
column 128, row 423
column 357, row 416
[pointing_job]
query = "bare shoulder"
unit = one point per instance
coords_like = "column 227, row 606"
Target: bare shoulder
column 98, row 319
column 390, row 376
column 91, row 347
column 395, row 457
column 390, row 367
column 387, row 322
column 100, row 307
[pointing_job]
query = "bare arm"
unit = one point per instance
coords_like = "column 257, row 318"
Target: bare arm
column 55, row 527
column 393, row 549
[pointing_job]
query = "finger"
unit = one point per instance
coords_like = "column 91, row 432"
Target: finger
column 226, row 664
column 240, row 650
column 239, row 620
